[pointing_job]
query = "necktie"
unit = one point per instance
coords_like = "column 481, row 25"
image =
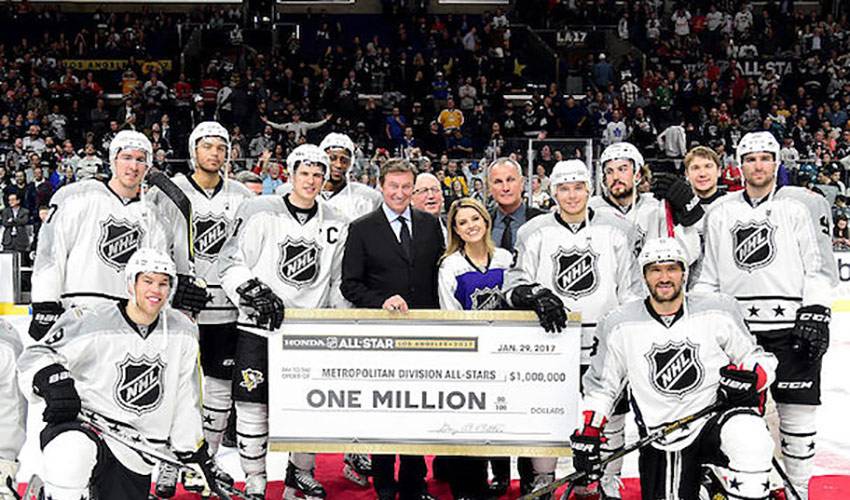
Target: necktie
column 507, row 239
column 404, row 236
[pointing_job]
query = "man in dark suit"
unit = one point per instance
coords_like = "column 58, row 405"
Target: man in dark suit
column 390, row 262
column 15, row 218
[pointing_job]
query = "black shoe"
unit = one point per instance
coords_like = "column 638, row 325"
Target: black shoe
column 499, row 487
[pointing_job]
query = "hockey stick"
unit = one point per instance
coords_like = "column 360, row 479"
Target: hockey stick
column 34, row 487
column 640, row 443
column 183, row 204
column 784, row 476
column 141, row 446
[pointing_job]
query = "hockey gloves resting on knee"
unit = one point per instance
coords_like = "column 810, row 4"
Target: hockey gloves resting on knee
column 261, row 304
column 811, row 331
column 587, row 448
column 671, row 187
column 55, row 385
column 191, row 294
column 44, row 314
column 548, row 306
column 741, row 388
column 208, row 477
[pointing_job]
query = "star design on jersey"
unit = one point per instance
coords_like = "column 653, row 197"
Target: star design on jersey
column 766, row 485
column 779, row 311
column 243, row 446
column 783, row 443
column 208, row 419
column 735, row 484
column 812, row 445
column 113, row 427
column 754, row 311
column 136, row 438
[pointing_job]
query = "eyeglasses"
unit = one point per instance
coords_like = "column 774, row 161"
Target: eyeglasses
column 433, row 190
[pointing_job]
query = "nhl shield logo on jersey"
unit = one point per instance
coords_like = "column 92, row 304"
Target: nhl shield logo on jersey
column 575, row 272
column 298, row 264
column 210, row 233
column 675, row 368
column 754, row 244
column 486, row 299
column 119, row 239
column 139, row 387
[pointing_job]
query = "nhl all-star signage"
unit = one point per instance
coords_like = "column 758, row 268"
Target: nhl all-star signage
column 471, row 382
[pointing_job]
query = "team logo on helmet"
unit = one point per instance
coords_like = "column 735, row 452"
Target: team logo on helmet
column 486, row 299
column 119, row 239
column 139, row 386
column 754, row 244
column 210, row 233
column 575, row 272
column 298, row 264
column 674, row 368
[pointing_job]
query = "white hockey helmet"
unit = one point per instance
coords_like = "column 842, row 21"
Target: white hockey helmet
column 662, row 249
column 335, row 140
column 307, row 153
column 622, row 151
column 756, row 142
column 569, row 171
column 149, row 260
column 207, row 129
column 130, row 139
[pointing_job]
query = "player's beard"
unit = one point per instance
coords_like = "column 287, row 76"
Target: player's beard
column 623, row 194
column 657, row 297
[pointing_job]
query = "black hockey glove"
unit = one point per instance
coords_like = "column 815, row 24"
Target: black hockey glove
column 587, row 449
column 191, row 294
column 55, row 385
column 740, row 388
column 208, row 476
column 549, row 308
column 261, row 303
column 811, row 331
column 44, row 314
column 671, row 187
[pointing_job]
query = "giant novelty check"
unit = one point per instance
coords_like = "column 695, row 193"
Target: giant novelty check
column 427, row 382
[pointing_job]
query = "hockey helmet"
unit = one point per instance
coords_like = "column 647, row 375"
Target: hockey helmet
column 335, row 140
column 569, row 171
column 149, row 260
column 662, row 250
column 622, row 151
column 130, row 139
column 307, row 153
column 207, row 129
column 756, row 142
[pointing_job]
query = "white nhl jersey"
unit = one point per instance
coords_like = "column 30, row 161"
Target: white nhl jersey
column 13, row 410
column 672, row 371
column 773, row 258
column 463, row 286
column 650, row 218
column 145, row 380
column 591, row 268
column 301, row 263
column 352, row 201
column 86, row 241
column 696, row 267
column 213, row 213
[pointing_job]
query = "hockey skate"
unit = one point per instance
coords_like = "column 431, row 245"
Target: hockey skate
column 541, row 481
column 166, row 481
column 357, row 468
column 255, row 487
column 301, row 485
column 609, row 487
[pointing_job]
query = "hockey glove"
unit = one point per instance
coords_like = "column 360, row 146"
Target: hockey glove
column 208, row 476
column 44, row 314
column 740, row 388
column 55, row 385
column 549, row 308
column 811, row 331
column 191, row 294
column 261, row 304
column 670, row 187
column 587, row 448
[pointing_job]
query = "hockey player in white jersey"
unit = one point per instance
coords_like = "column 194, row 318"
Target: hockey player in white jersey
column 352, row 199
column 285, row 252
column 621, row 166
column 130, row 366
column 92, row 230
column 771, row 248
column 702, row 169
column 13, row 411
column 679, row 354
column 576, row 259
column 214, row 201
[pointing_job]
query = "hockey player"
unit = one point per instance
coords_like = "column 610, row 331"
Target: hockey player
column 13, row 411
column 770, row 247
column 680, row 354
column 285, row 251
column 350, row 199
column 214, row 202
column 576, row 259
column 702, row 169
column 130, row 366
column 92, row 230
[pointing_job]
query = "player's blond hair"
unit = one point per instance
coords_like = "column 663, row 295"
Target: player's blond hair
column 702, row 152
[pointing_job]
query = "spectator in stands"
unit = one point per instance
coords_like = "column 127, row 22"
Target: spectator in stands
column 841, row 234
column 15, row 218
column 616, row 130
column 296, row 125
column 603, row 73
column 458, row 145
column 33, row 141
